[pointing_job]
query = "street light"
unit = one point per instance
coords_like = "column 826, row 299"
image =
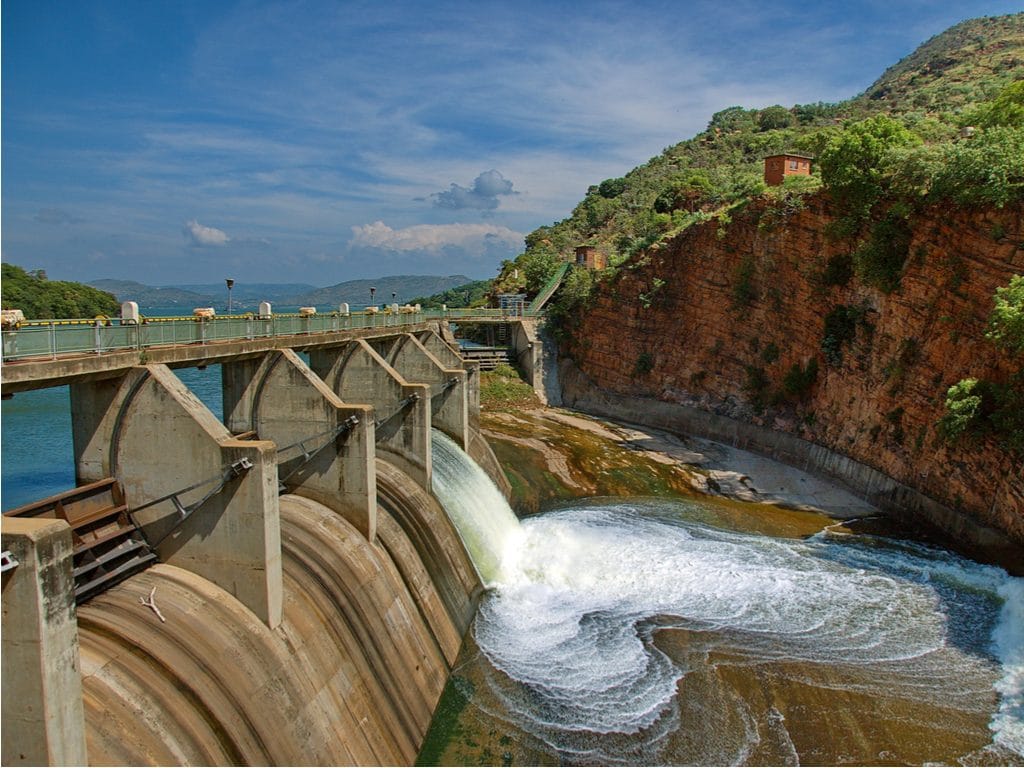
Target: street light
column 231, row 284
column 373, row 290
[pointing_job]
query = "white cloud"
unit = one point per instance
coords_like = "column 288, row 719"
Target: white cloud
column 200, row 236
column 484, row 193
column 436, row 238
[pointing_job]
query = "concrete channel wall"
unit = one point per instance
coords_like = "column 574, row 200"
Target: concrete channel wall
column 306, row 610
column 901, row 501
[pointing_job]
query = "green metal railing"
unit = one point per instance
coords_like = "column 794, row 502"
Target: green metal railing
column 48, row 339
column 548, row 290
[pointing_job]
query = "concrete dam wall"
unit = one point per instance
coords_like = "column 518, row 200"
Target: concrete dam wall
column 351, row 675
column 280, row 587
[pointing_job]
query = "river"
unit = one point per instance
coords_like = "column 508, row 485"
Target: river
column 673, row 631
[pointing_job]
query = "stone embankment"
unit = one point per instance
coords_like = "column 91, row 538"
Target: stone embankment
column 700, row 333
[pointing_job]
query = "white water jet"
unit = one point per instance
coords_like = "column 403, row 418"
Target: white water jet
column 485, row 521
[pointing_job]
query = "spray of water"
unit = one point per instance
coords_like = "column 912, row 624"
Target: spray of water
column 579, row 595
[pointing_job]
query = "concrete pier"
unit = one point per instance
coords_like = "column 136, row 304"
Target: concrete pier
column 43, row 718
column 312, row 593
column 207, row 501
column 401, row 409
column 448, row 386
column 325, row 446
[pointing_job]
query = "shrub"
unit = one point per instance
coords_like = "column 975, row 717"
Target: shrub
column 799, row 380
column 838, row 269
column 977, row 407
column 755, row 385
column 1006, row 323
column 644, row 364
column 879, row 262
column 840, row 329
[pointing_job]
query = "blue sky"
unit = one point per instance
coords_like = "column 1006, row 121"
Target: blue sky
column 188, row 141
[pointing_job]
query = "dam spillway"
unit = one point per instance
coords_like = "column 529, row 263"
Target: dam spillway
column 350, row 676
column 311, row 594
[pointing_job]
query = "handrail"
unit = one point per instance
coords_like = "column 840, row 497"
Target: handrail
column 50, row 339
column 549, row 289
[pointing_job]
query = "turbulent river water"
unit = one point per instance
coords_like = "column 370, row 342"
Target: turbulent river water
column 662, row 632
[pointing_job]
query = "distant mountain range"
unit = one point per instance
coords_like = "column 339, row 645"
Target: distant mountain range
column 398, row 288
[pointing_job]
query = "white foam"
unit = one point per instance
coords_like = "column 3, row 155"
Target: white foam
column 577, row 593
column 1008, row 722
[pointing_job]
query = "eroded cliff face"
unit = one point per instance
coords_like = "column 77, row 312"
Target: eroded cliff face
column 717, row 317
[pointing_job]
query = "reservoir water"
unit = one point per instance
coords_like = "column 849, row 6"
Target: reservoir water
column 663, row 632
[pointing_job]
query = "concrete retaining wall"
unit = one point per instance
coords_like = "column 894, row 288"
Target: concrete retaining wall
column 901, row 501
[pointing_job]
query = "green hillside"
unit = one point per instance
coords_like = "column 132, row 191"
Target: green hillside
column 43, row 299
column 909, row 149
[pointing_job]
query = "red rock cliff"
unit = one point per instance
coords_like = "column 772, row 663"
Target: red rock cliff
column 716, row 317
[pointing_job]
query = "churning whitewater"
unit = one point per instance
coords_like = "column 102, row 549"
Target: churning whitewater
column 580, row 596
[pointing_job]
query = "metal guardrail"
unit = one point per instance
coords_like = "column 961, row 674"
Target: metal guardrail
column 49, row 339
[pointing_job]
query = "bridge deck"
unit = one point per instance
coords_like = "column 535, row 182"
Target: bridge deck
column 49, row 354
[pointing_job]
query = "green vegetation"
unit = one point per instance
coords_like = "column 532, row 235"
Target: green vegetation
column 469, row 295
column 840, row 330
column 1006, row 324
column 979, row 407
column 43, row 299
column 879, row 260
column 838, row 270
column 504, row 389
column 644, row 364
column 755, row 384
column 855, row 160
column 799, row 380
column 881, row 156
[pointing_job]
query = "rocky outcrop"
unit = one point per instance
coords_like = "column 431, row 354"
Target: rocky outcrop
column 715, row 319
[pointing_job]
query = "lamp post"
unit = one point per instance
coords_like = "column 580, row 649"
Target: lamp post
column 373, row 290
column 231, row 284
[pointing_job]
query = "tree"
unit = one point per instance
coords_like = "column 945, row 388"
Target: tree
column 1005, row 109
column 853, row 162
column 42, row 299
column 987, row 170
column 774, row 117
column 611, row 188
column 732, row 119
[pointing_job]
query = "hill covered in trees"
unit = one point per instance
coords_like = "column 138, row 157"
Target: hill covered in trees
column 874, row 309
column 908, row 124
column 43, row 299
